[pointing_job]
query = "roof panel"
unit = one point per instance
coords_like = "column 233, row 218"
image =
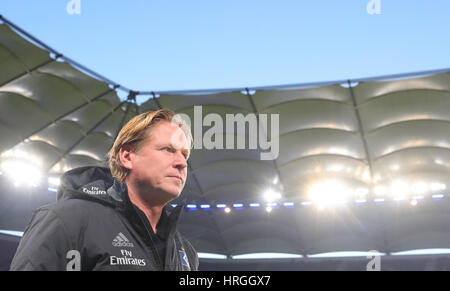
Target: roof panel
column 405, row 106
column 95, row 145
column 62, row 134
column 411, row 134
column 265, row 99
column 12, row 106
column 303, row 114
column 19, row 51
column 86, row 84
column 53, row 94
column 180, row 102
column 368, row 90
column 212, row 175
column 310, row 142
column 73, row 161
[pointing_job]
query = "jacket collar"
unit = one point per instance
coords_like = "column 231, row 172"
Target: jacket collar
column 119, row 193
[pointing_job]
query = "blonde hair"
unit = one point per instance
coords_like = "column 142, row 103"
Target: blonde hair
column 135, row 132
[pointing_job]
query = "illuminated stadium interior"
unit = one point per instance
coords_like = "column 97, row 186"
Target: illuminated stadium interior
column 363, row 164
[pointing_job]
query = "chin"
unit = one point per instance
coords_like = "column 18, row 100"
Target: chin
column 173, row 193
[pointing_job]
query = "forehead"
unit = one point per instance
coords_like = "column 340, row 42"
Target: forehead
column 166, row 133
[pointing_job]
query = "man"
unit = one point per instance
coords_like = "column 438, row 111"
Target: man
column 118, row 218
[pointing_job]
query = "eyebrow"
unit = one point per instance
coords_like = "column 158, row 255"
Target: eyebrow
column 187, row 152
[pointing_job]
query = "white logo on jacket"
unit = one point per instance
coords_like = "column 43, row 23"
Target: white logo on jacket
column 94, row 191
column 121, row 241
column 126, row 259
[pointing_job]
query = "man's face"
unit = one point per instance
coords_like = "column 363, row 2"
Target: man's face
column 160, row 165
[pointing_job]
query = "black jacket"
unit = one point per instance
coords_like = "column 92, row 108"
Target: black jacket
column 94, row 226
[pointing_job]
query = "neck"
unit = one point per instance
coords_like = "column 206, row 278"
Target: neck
column 151, row 209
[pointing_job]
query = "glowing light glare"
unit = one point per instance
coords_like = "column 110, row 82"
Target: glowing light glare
column 22, row 172
column 269, row 209
column 329, row 193
column 376, row 178
column 345, row 254
column 288, row 204
column 335, row 168
column 419, row 188
column 361, row 192
column 227, row 210
column 12, row 232
column 422, row 252
column 21, row 155
column 399, row 198
column 266, row 256
column 53, row 181
column 435, row 186
column 211, row 256
column 395, row 167
column 366, row 175
column 437, row 196
column 254, row 205
column 271, row 195
column 380, row 190
column 399, row 189
column 413, row 202
column 275, row 180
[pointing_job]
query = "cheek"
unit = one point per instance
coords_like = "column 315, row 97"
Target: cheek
column 148, row 170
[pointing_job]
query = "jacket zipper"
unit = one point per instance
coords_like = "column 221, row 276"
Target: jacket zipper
column 154, row 251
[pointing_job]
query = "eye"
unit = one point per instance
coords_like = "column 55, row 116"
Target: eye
column 167, row 149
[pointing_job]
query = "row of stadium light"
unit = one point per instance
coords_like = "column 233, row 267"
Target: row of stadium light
column 24, row 170
column 323, row 195
column 273, row 205
column 342, row 254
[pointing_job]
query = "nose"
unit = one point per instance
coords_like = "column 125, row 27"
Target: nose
column 180, row 161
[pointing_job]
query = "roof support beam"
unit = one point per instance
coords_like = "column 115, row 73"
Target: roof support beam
column 280, row 178
column 361, row 130
column 274, row 163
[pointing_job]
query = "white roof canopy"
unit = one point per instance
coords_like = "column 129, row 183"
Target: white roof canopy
column 383, row 133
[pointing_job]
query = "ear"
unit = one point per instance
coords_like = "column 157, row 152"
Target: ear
column 126, row 155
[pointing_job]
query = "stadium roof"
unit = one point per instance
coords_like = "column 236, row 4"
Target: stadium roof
column 348, row 142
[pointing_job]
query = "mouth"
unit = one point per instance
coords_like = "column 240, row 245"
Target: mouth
column 177, row 178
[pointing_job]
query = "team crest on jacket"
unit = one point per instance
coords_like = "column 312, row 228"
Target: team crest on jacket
column 184, row 259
